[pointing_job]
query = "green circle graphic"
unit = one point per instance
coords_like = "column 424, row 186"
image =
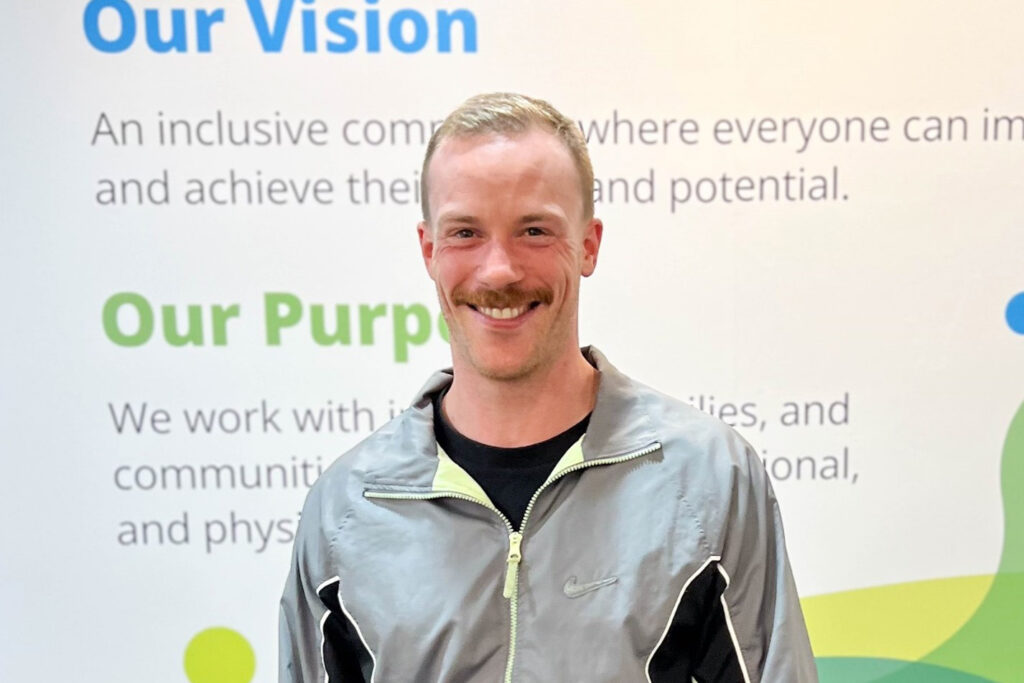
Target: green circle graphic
column 219, row 655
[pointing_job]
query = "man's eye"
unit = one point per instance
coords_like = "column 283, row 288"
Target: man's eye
column 535, row 232
column 464, row 233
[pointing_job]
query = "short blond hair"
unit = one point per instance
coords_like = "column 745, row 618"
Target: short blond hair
column 512, row 114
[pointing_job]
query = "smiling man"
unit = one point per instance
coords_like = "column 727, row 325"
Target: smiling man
column 536, row 515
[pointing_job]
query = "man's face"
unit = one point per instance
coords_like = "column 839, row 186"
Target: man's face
column 506, row 246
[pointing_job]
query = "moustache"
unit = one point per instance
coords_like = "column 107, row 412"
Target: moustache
column 509, row 297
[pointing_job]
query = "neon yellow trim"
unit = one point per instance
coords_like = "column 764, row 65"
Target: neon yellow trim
column 899, row 621
column 571, row 458
column 451, row 477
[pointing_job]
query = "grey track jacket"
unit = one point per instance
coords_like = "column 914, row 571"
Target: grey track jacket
column 654, row 552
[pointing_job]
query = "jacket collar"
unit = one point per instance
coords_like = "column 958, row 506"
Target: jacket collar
column 618, row 425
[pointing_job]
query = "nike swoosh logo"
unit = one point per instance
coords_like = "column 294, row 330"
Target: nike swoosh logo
column 575, row 590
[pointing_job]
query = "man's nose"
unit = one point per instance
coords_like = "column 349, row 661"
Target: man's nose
column 499, row 268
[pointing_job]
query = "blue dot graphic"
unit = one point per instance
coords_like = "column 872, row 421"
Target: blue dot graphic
column 1015, row 313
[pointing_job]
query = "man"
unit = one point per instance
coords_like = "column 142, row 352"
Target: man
column 535, row 515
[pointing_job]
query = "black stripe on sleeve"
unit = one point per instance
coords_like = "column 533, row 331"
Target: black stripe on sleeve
column 698, row 643
column 345, row 658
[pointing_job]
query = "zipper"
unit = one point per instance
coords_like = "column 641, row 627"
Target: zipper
column 515, row 554
column 512, row 576
column 515, row 538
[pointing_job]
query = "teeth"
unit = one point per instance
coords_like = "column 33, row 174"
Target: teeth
column 502, row 313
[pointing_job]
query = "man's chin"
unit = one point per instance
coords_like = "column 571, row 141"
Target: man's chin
column 505, row 374
column 503, row 366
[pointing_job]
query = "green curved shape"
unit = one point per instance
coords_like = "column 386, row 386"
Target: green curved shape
column 990, row 643
column 874, row 670
column 897, row 622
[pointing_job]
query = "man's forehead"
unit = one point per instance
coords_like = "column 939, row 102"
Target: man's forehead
column 474, row 148
column 517, row 174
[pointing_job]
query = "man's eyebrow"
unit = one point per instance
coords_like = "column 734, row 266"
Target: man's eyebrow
column 448, row 218
column 539, row 217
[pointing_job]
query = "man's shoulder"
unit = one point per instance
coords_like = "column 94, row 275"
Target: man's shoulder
column 680, row 420
column 717, row 470
column 384, row 454
column 689, row 437
column 399, row 452
column 711, row 455
column 402, row 450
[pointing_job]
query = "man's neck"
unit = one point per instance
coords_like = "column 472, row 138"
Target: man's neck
column 524, row 411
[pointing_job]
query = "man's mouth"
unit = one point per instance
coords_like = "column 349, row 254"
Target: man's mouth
column 505, row 313
column 508, row 304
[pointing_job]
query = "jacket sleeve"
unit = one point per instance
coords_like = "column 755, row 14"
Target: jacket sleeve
column 758, row 599
column 301, row 609
column 318, row 640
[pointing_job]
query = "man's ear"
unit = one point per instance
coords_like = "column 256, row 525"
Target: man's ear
column 426, row 236
column 591, row 245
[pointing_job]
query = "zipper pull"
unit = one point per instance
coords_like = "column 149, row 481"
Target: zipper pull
column 515, row 539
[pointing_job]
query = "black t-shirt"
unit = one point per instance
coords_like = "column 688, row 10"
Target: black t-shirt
column 509, row 476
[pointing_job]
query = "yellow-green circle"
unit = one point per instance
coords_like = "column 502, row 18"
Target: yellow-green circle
column 219, row 655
